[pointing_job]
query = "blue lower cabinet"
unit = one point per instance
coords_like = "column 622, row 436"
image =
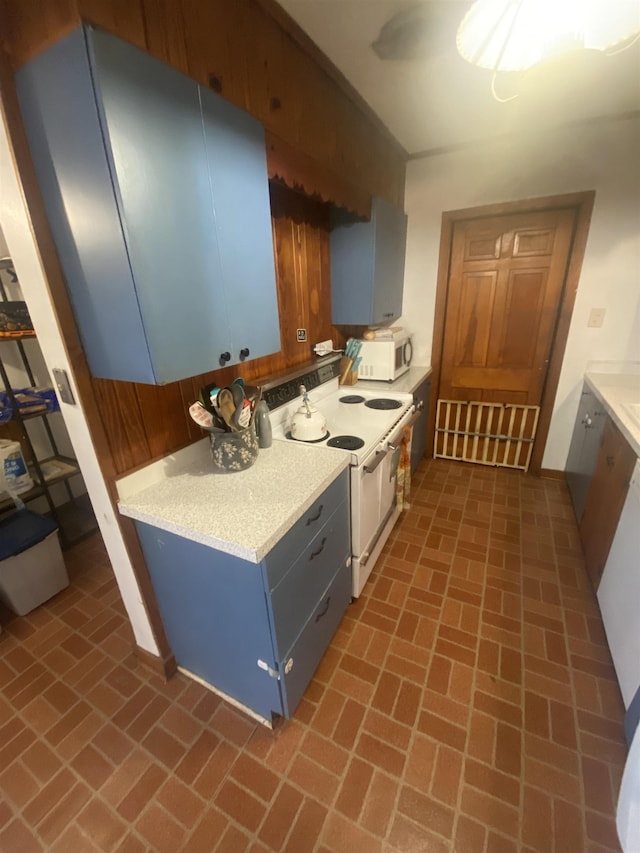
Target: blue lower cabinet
column 298, row 666
column 225, row 624
column 215, row 614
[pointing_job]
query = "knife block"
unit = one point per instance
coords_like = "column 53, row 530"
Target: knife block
column 347, row 375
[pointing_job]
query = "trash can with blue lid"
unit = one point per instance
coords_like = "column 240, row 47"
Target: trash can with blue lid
column 32, row 568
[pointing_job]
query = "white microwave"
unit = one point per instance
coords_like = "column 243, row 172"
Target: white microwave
column 386, row 360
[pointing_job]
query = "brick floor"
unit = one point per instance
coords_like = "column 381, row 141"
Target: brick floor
column 467, row 703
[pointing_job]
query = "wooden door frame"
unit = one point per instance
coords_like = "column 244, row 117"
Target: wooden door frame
column 582, row 204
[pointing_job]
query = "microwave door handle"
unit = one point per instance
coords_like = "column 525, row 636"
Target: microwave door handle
column 408, row 358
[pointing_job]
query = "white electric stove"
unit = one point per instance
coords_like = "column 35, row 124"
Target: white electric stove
column 367, row 425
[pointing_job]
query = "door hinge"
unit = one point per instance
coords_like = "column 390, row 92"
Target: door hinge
column 268, row 669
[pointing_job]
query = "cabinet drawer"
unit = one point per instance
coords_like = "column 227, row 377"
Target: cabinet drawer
column 301, row 588
column 280, row 558
column 312, row 643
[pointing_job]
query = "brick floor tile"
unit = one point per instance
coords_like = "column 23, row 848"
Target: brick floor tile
column 101, row 824
column 163, row 833
column 280, row 817
column 307, row 827
column 381, row 754
column 91, row 766
column 134, row 803
column 407, row 835
column 467, row 702
column 252, row 775
column 343, row 836
column 314, row 780
column 211, row 827
column 355, row 785
column 18, row 836
column 180, row 801
column 240, row 805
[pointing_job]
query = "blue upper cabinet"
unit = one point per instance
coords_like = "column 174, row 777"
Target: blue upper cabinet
column 367, row 267
column 129, row 153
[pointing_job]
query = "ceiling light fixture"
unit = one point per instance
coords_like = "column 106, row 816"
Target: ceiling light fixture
column 514, row 35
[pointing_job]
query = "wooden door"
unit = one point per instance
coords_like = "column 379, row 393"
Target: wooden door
column 505, row 289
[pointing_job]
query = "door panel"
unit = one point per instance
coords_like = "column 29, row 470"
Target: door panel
column 504, row 292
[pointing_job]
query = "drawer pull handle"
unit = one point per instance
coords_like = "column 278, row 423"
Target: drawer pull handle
column 315, row 517
column 317, row 553
column 324, row 610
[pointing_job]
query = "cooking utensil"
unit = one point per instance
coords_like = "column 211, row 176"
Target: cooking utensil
column 201, row 416
column 227, row 408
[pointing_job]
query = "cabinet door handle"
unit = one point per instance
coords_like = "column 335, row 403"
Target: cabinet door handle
column 244, row 352
column 324, row 609
column 225, row 357
column 315, row 517
column 317, row 553
column 610, row 461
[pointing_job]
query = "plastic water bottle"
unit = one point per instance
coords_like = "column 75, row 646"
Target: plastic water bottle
column 263, row 424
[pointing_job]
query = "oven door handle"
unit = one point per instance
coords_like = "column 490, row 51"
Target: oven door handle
column 380, row 455
column 414, row 419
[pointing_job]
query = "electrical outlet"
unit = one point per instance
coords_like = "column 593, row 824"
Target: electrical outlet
column 596, row 318
column 324, row 347
column 301, row 335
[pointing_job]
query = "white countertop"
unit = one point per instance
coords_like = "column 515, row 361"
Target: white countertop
column 244, row 513
column 405, row 384
column 617, row 392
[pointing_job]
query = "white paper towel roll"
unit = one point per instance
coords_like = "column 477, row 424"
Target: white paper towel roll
column 14, row 476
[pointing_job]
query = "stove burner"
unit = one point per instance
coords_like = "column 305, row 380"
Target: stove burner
column 309, row 441
column 383, row 403
column 346, row 442
column 351, row 398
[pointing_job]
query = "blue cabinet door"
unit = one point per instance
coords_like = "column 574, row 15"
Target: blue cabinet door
column 237, row 165
column 157, row 196
column 215, row 614
column 391, row 241
column 65, row 137
column 155, row 147
column 367, row 267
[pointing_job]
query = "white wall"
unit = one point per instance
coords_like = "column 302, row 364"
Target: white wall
column 22, row 249
column 600, row 157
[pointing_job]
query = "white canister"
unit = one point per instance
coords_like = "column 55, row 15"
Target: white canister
column 14, row 476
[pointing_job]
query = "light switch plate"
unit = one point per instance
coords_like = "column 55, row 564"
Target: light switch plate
column 301, row 334
column 596, row 318
column 62, row 384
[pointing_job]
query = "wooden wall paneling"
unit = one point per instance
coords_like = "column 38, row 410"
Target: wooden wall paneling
column 302, row 173
column 215, row 48
column 162, row 416
column 124, row 18
column 164, row 28
column 119, row 411
column 270, row 58
column 30, row 27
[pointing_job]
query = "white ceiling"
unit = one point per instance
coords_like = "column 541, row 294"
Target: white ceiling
column 441, row 100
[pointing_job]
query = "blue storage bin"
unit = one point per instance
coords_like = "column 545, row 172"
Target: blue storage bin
column 32, row 568
column 21, row 530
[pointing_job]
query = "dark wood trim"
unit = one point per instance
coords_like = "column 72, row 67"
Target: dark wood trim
column 300, row 37
column 301, row 173
column 57, row 291
column 444, row 261
column 582, row 204
column 166, row 669
column 475, row 144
